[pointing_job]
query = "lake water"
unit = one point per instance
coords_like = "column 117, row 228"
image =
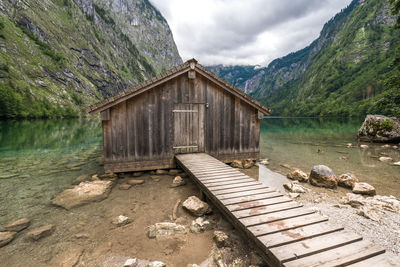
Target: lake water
column 40, row 158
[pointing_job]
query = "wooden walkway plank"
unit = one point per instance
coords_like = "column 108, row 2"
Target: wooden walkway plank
column 235, row 185
column 284, row 232
column 240, row 189
column 298, row 234
column 241, row 199
column 341, row 256
column 275, row 216
column 258, row 203
column 314, row 245
column 266, row 209
column 283, row 225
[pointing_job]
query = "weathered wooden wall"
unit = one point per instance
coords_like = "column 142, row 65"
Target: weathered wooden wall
column 139, row 132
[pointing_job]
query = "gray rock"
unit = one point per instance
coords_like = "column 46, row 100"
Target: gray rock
column 6, row 237
column 201, row 224
column 323, row 176
column 130, row 262
column 135, row 181
column 298, row 175
column 178, row 181
column 41, row 232
column 83, row 193
column 221, row 239
column 161, row 172
column 295, row 187
column 379, row 128
column 347, row 180
column 195, row 206
column 364, row 189
column 121, row 220
column 17, row 226
column 237, row 164
column 156, row 264
column 165, row 229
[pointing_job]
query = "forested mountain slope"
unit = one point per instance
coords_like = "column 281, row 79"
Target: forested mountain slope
column 57, row 56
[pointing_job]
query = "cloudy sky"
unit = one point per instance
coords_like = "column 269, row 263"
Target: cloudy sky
column 245, row 31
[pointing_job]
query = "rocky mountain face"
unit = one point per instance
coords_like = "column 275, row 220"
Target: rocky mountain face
column 57, row 56
column 344, row 72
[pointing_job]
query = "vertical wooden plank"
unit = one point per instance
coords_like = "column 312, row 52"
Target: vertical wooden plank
column 186, row 89
column 257, row 134
column 145, row 125
column 107, row 140
column 195, row 128
column 130, row 128
column 169, row 100
column 237, row 125
column 215, row 120
column 232, row 124
column 209, row 121
column 247, row 132
column 201, row 127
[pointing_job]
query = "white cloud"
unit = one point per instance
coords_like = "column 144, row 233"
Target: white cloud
column 245, row 32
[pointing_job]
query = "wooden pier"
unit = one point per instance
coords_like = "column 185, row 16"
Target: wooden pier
column 284, row 232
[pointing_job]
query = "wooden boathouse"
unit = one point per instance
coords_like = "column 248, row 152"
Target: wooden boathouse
column 184, row 110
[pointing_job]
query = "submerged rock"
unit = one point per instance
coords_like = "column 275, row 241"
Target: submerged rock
column 161, row 172
column 165, row 229
column 201, row 224
column 347, row 180
column 83, row 193
column 41, row 232
column 248, row 163
column 68, row 258
column 295, row 187
column 323, row 176
column 385, row 159
column 364, row 146
column 178, row 181
column 397, row 163
column 124, row 186
column 174, row 171
column 298, row 175
column 364, row 189
column 135, row 181
column 221, row 239
column 137, row 174
column 195, row 206
column 6, row 237
column 379, row 128
column 17, row 225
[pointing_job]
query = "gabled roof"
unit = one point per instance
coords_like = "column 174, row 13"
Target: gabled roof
column 168, row 75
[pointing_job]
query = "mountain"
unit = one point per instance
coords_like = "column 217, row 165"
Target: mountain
column 344, row 72
column 243, row 77
column 58, row 56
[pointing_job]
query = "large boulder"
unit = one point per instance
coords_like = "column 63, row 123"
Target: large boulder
column 347, row 180
column 364, row 189
column 323, row 176
column 83, row 193
column 379, row 128
column 195, row 206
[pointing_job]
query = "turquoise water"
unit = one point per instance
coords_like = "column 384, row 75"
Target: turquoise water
column 305, row 142
column 40, row 158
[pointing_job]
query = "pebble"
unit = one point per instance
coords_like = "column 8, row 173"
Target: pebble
column 41, row 232
column 121, row 220
column 385, row 159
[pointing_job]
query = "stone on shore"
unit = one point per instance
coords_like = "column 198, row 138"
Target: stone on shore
column 165, row 229
column 381, row 129
column 294, row 187
column 389, row 203
column 397, row 163
column 248, row 163
column 130, row 262
column 364, row 189
column 237, row 164
column 124, row 186
column 264, row 161
column 220, row 239
column 385, row 159
column 17, row 225
column 178, row 181
column 156, row 264
column 6, row 237
column 40, row 232
column 347, row 180
column 173, row 171
column 201, row 225
column 298, row 175
column 195, row 206
column 161, row 172
column 121, row 220
column 135, row 181
column 137, row 174
column 323, row 176
column 83, row 193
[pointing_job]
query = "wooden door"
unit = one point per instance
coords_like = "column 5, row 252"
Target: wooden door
column 188, row 128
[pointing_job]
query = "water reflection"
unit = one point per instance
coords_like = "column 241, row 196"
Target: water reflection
column 40, row 158
column 305, row 142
